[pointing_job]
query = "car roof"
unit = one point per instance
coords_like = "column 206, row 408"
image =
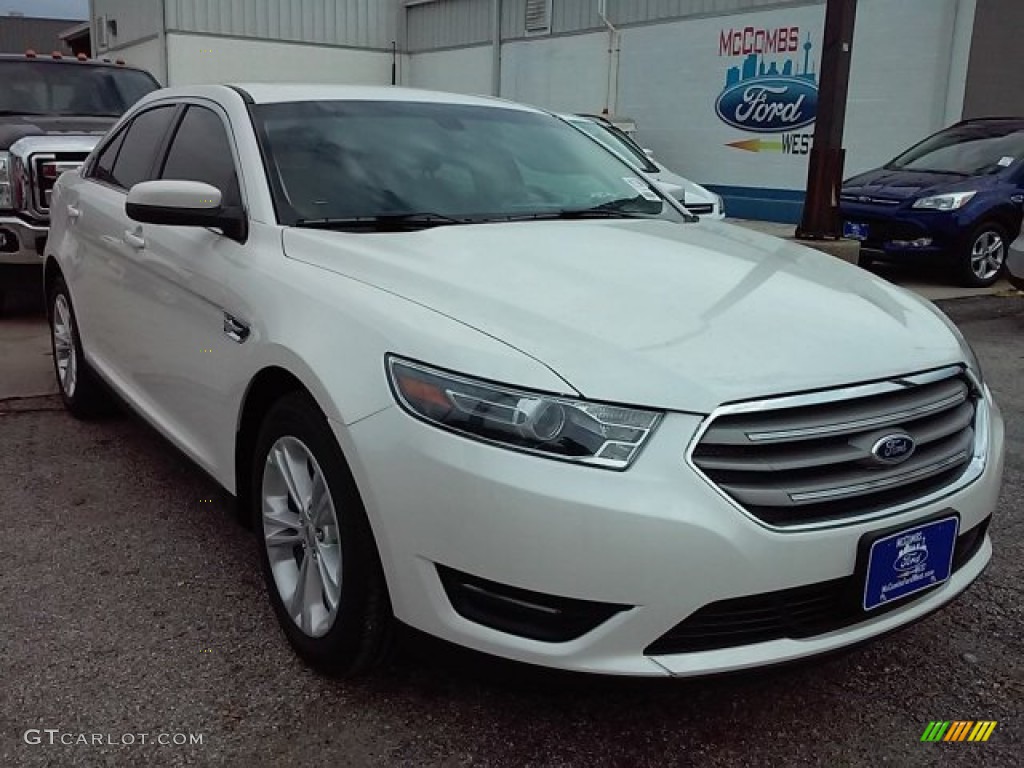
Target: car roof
column 276, row 93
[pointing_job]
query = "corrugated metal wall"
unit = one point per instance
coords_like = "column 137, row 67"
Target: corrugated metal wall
column 451, row 23
column 361, row 23
column 136, row 20
column 448, row 23
column 18, row 34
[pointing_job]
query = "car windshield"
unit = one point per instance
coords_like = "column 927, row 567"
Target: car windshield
column 338, row 162
column 967, row 150
column 617, row 142
column 49, row 88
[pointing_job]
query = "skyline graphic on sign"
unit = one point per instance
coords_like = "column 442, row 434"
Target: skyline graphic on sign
column 754, row 67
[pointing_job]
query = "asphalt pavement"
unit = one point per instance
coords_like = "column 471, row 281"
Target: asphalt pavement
column 132, row 606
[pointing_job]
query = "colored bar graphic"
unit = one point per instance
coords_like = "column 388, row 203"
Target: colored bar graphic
column 935, row 730
column 982, row 730
column 959, row 730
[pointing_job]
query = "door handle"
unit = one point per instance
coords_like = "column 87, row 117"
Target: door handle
column 235, row 329
column 73, row 213
column 138, row 242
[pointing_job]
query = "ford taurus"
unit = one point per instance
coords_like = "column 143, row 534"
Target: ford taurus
column 464, row 369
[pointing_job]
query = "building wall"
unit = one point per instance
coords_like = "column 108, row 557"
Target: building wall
column 19, row 33
column 356, row 23
column 195, row 58
column 137, row 20
column 453, row 23
column 995, row 83
column 462, row 70
column 148, row 55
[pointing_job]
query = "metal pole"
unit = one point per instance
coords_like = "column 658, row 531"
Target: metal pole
column 825, row 167
column 496, row 48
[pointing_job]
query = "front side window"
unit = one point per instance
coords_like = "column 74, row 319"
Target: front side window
column 138, row 150
column 103, row 169
column 366, row 159
column 200, row 151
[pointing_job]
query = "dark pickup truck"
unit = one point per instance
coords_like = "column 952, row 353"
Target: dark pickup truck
column 53, row 111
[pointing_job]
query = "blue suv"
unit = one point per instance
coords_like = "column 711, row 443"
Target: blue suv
column 955, row 197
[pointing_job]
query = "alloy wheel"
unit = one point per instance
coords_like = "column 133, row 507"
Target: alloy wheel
column 301, row 534
column 64, row 345
column 987, row 255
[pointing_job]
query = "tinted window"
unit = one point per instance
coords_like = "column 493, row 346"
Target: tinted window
column 140, row 145
column 200, row 152
column 49, row 87
column 104, row 166
column 970, row 150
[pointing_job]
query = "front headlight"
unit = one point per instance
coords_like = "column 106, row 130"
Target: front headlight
column 560, row 428
column 5, row 181
column 947, row 202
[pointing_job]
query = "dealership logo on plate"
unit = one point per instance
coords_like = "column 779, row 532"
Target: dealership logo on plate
column 768, row 91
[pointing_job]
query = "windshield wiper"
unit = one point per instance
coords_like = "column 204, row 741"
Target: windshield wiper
column 383, row 222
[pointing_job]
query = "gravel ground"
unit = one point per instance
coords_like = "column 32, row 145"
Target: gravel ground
column 133, row 604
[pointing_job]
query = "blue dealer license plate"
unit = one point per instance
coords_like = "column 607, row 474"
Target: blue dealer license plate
column 906, row 562
column 855, row 231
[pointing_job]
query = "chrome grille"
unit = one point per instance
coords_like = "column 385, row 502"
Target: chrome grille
column 811, row 459
column 46, row 168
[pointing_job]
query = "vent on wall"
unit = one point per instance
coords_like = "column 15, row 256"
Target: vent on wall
column 102, row 32
column 538, row 17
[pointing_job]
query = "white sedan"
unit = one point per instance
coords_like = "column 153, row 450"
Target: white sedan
column 463, row 368
column 698, row 200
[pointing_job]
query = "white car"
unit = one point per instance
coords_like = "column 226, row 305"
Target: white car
column 463, row 368
column 698, row 200
column 1015, row 262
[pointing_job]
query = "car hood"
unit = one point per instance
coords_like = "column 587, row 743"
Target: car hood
column 675, row 316
column 898, row 186
column 14, row 128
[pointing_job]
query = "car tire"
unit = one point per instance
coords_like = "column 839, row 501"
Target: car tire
column 79, row 386
column 315, row 544
column 984, row 257
column 864, row 261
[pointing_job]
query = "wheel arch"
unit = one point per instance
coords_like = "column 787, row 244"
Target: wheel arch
column 51, row 271
column 268, row 386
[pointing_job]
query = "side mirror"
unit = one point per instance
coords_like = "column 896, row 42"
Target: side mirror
column 184, row 204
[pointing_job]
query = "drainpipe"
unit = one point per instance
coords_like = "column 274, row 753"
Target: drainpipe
column 496, row 48
column 611, row 96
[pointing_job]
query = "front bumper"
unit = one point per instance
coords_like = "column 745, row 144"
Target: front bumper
column 656, row 538
column 21, row 242
column 900, row 234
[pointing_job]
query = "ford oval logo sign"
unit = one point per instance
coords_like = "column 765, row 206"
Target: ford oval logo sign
column 893, row 449
column 769, row 104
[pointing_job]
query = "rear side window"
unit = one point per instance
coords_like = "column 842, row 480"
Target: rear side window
column 201, row 151
column 141, row 142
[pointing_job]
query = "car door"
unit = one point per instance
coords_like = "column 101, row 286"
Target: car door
column 191, row 314
column 98, row 279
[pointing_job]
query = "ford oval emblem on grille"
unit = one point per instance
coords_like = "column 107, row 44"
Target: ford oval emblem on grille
column 893, row 449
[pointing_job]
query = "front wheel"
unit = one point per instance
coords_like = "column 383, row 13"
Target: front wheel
column 985, row 255
column 317, row 552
